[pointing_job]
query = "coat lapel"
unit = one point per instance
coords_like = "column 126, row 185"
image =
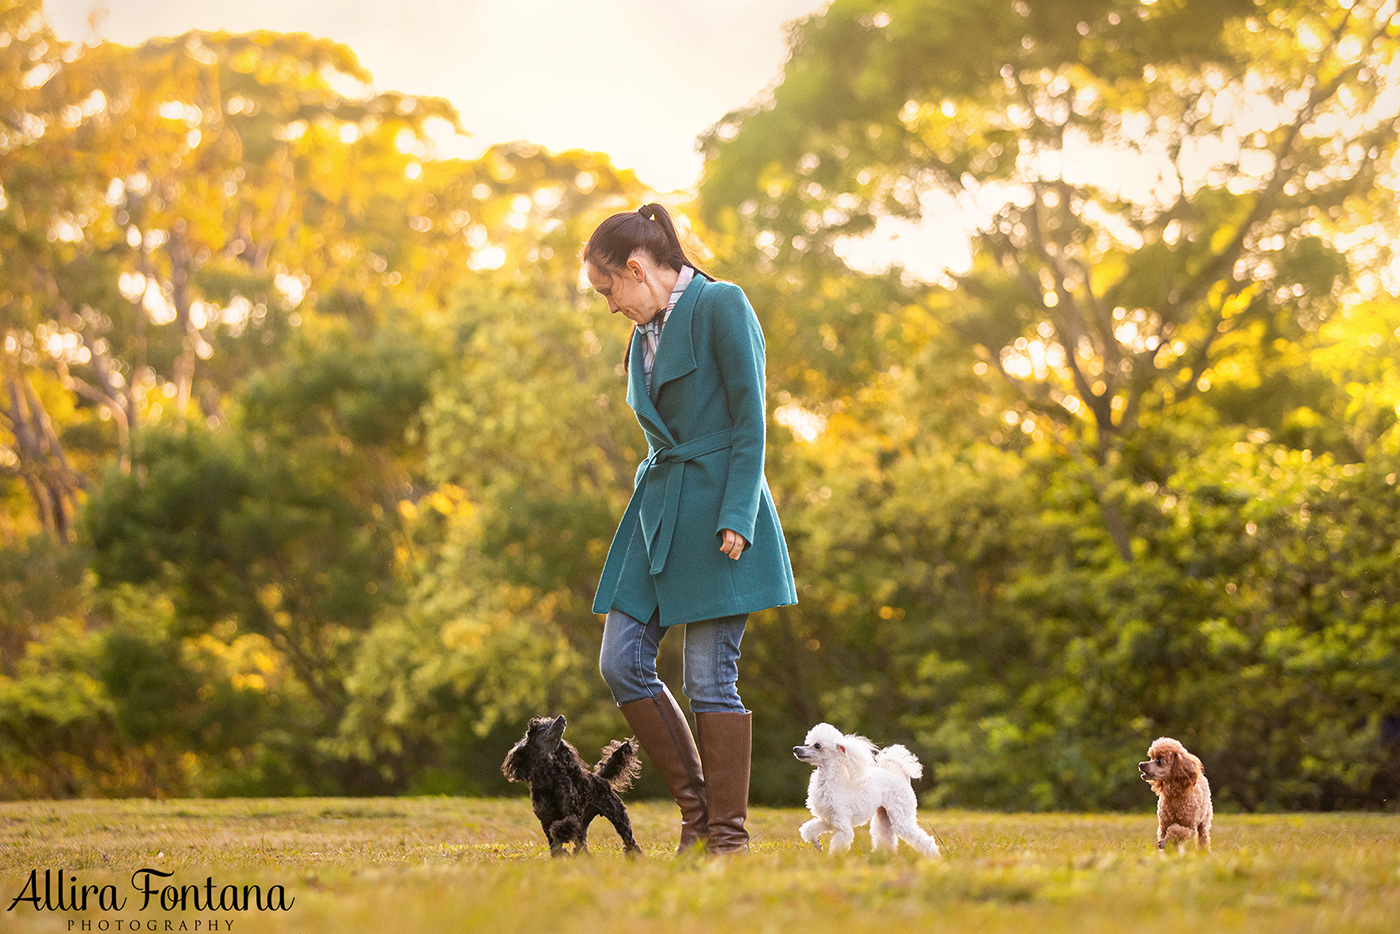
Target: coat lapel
column 675, row 355
column 637, row 395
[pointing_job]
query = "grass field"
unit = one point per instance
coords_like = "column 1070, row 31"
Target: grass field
column 441, row 864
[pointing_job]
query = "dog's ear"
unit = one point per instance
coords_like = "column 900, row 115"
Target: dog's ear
column 1187, row 768
column 843, row 758
column 516, row 768
column 1183, row 770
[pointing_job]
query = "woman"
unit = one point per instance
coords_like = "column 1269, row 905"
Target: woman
column 700, row 545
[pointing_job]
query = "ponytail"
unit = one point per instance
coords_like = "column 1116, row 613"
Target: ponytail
column 648, row 228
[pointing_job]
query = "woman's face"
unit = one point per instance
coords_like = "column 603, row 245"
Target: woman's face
column 629, row 291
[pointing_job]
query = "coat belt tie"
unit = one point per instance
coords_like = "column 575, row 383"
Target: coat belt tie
column 659, row 529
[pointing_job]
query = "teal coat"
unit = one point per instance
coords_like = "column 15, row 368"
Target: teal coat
column 705, row 427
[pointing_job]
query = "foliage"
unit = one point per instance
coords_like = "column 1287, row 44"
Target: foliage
column 282, row 530
column 173, row 212
column 311, row 448
column 1005, row 500
column 1159, row 194
column 133, row 707
column 522, row 435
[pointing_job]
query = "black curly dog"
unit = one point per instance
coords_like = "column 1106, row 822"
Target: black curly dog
column 565, row 793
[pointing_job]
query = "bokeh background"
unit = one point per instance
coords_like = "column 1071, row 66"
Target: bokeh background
column 1083, row 371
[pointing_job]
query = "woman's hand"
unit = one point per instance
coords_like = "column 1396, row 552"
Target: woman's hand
column 733, row 543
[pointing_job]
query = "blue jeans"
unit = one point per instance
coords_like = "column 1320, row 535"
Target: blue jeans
column 628, row 660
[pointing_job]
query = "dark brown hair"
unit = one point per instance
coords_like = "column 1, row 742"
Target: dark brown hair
column 648, row 228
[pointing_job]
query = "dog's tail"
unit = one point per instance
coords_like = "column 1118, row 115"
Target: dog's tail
column 900, row 761
column 620, row 765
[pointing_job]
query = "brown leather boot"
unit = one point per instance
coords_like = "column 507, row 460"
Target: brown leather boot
column 726, row 747
column 660, row 727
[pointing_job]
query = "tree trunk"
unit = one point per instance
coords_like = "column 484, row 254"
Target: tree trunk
column 40, row 460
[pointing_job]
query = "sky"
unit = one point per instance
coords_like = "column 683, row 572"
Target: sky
column 636, row 79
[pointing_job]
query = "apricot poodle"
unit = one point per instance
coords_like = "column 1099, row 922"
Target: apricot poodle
column 1183, row 794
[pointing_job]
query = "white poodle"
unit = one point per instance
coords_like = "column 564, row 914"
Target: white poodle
column 854, row 785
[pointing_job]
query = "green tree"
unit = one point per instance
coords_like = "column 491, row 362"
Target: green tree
column 286, row 522
column 170, row 212
column 131, row 706
column 224, row 277
column 1021, row 496
column 1156, row 191
column 531, row 456
column 32, row 456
